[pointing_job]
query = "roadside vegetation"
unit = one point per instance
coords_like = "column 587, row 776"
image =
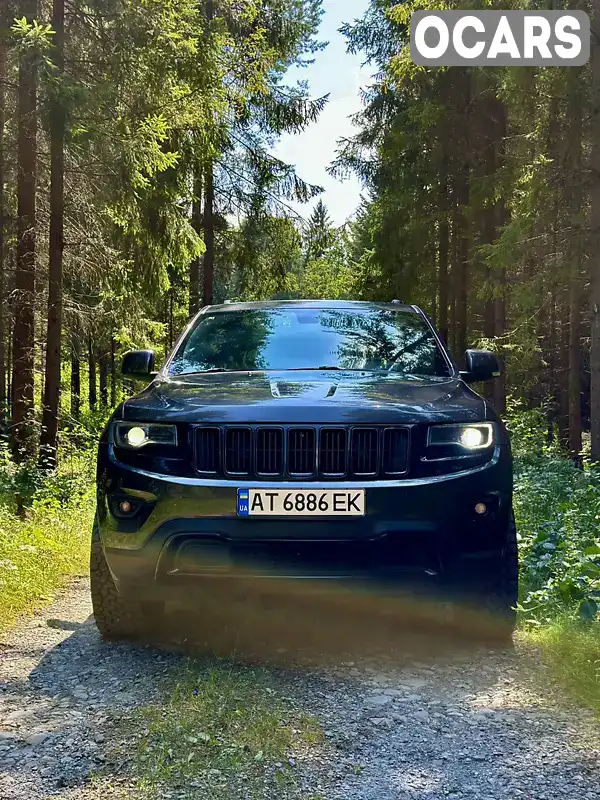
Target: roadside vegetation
column 45, row 523
column 557, row 507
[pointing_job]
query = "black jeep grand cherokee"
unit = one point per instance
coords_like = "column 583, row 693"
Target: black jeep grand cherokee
column 302, row 439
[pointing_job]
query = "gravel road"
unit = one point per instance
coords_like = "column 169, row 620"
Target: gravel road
column 473, row 725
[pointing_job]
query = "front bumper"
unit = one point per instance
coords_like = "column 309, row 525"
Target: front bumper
column 187, row 529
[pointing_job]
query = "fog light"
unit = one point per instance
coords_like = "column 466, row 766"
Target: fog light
column 136, row 436
column 125, row 507
column 480, row 508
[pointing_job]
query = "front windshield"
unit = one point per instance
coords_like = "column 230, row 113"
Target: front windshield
column 296, row 338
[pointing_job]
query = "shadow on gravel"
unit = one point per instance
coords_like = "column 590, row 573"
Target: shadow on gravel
column 277, row 623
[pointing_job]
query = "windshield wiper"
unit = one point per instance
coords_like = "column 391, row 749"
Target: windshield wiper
column 323, row 368
column 207, row 371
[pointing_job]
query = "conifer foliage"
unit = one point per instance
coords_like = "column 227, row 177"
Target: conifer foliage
column 135, row 159
column 484, row 207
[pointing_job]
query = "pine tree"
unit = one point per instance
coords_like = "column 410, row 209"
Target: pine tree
column 49, row 437
column 319, row 234
column 22, row 430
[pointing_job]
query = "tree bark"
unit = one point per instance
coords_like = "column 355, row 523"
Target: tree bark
column 562, row 388
column 92, row 388
column 22, row 431
column 462, row 202
column 171, row 319
column 500, row 321
column 575, row 278
column 489, row 221
column 209, row 237
column 75, row 378
column 49, row 437
column 9, row 327
column 443, row 248
column 452, row 278
column 595, row 239
column 3, row 77
column 194, row 304
column 103, row 378
column 113, row 372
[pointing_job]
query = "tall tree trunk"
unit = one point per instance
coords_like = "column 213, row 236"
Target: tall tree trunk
column 9, row 330
column 453, row 279
column 103, row 378
column 49, row 437
column 595, row 239
column 113, row 373
column 194, row 304
column 75, row 378
column 562, row 387
column 92, row 387
column 575, row 281
column 552, row 346
column 443, row 247
column 489, row 221
column 462, row 202
column 500, row 322
column 434, row 296
column 22, row 440
column 487, row 108
column 209, row 237
column 3, row 76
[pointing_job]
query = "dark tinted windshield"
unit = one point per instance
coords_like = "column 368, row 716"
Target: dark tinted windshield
column 310, row 338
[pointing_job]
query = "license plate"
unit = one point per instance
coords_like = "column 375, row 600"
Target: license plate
column 301, row 502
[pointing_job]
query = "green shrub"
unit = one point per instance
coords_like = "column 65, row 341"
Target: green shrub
column 557, row 506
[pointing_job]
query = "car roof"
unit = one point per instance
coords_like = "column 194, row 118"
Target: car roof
column 347, row 305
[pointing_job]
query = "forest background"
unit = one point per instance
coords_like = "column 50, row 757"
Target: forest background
column 138, row 183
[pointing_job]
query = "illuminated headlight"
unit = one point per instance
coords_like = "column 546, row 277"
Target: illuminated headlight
column 477, row 436
column 134, row 435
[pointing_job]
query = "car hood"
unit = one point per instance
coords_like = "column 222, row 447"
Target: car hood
column 315, row 397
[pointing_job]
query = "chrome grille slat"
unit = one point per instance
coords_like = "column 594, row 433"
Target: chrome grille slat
column 238, row 451
column 332, row 452
column 310, row 452
column 269, row 451
column 302, row 452
column 365, row 451
column 395, row 451
column 208, row 450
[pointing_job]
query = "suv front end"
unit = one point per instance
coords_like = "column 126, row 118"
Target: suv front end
column 230, row 477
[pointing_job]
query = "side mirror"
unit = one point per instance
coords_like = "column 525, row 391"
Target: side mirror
column 481, row 366
column 138, row 364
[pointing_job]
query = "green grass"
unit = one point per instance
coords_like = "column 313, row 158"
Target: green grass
column 571, row 655
column 50, row 544
column 222, row 732
column 39, row 554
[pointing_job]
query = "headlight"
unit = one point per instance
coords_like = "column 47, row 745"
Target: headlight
column 134, row 435
column 477, row 436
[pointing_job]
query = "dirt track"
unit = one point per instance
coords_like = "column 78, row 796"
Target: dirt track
column 468, row 724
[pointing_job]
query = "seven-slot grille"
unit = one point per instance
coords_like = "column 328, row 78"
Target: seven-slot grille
column 302, row 451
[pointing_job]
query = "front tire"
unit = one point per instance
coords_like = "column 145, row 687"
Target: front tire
column 505, row 581
column 116, row 617
column 492, row 586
